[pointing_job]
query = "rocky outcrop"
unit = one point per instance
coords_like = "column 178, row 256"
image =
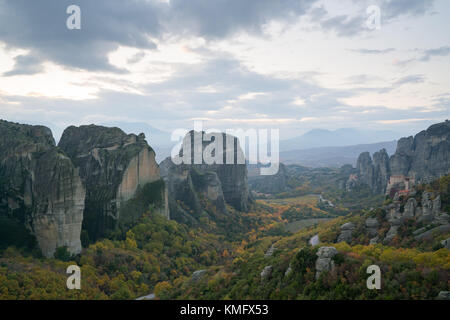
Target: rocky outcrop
column 381, row 171
column 113, row 166
column 374, row 240
column 266, row 273
column 187, row 187
column 437, row 231
column 346, row 232
column 40, row 187
column 410, row 208
column 217, row 183
column 268, row 184
column 426, row 156
column 446, row 243
column 270, row 251
column 197, row 275
column 427, row 211
column 374, row 174
column 430, row 211
column 364, row 167
column 288, row 271
column 391, row 234
column 400, row 162
column 418, row 159
column 444, row 295
column 372, row 226
column 325, row 261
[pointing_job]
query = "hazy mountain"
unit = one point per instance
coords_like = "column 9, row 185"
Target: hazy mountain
column 333, row 156
column 336, row 138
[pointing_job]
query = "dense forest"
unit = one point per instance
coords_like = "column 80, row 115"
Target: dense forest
column 160, row 256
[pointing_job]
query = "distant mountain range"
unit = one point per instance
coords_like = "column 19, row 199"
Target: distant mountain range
column 316, row 148
column 333, row 156
column 337, row 138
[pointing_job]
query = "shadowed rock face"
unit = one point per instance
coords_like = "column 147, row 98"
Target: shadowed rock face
column 272, row 184
column 374, row 173
column 325, row 261
column 219, row 183
column 113, row 166
column 40, row 187
column 346, row 232
column 426, row 156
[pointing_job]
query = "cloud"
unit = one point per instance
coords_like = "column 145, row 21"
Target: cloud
column 395, row 8
column 373, row 51
column 404, row 121
column 220, row 18
column 411, row 79
column 438, row 52
column 344, row 25
column 25, row 65
column 215, row 85
column 425, row 56
column 350, row 25
column 40, row 26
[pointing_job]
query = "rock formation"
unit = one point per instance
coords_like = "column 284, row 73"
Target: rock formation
column 346, row 232
column 266, row 273
column 422, row 158
column 197, row 275
column 113, row 166
column 374, row 174
column 444, row 295
column 426, row 156
column 381, row 171
column 271, row 184
column 428, row 212
column 186, row 188
column 270, row 251
column 325, row 261
column 446, row 243
column 40, row 187
column 220, row 183
column 372, row 225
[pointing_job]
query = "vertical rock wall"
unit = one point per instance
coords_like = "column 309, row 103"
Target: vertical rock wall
column 113, row 166
column 41, row 187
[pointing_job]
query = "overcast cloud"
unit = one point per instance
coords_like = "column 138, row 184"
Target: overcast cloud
column 289, row 64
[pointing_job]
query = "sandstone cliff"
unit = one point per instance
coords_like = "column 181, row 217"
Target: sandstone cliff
column 113, row 167
column 40, row 187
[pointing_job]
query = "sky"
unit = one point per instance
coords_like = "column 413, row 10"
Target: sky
column 293, row 65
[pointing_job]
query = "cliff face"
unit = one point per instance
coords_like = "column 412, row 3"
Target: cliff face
column 187, row 187
column 218, row 183
column 273, row 184
column 381, row 171
column 424, row 157
column 41, row 188
column 374, row 173
column 113, row 167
